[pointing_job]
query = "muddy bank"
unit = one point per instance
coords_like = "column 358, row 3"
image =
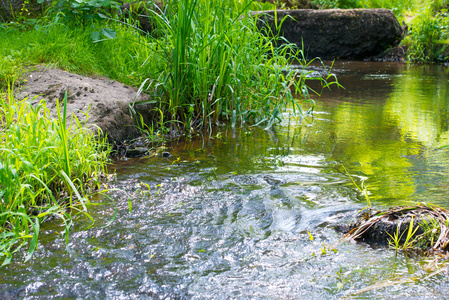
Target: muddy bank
column 103, row 101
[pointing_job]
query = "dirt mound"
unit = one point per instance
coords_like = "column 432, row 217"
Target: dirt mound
column 106, row 101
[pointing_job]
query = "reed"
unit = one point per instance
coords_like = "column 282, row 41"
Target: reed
column 219, row 67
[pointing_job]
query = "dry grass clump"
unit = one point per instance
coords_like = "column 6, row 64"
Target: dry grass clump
column 422, row 227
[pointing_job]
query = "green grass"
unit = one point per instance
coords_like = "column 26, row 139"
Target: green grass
column 70, row 47
column 47, row 168
column 398, row 242
column 217, row 66
column 429, row 36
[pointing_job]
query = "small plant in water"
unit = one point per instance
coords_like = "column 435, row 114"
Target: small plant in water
column 395, row 241
column 363, row 188
column 432, row 230
column 325, row 248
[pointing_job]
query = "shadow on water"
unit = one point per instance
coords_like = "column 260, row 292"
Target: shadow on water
column 232, row 216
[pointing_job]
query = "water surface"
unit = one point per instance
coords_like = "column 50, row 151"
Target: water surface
column 250, row 213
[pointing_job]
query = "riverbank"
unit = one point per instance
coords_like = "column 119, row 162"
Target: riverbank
column 203, row 67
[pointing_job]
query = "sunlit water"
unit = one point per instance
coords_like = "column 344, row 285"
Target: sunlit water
column 250, row 213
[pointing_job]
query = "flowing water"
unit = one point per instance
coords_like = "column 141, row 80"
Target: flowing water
column 250, row 213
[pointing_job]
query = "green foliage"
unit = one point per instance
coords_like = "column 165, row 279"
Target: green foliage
column 398, row 242
column 432, row 230
column 398, row 7
column 429, row 36
column 18, row 11
column 70, row 47
column 216, row 65
column 83, row 10
column 338, row 3
column 46, row 169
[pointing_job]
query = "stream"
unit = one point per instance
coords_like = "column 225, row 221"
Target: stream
column 249, row 213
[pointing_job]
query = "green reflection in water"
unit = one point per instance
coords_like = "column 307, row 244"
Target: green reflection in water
column 387, row 126
column 419, row 103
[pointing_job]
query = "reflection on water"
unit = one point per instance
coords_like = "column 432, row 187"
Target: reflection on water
column 388, row 126
column 250, row 214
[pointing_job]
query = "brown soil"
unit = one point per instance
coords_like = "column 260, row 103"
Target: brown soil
column 106, row 101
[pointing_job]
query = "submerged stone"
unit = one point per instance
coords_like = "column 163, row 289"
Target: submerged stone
column 336, row 33
column 137, row 151
column 166, row 154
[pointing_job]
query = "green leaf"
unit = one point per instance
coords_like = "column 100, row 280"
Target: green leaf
column 109, row 33
column 113, row 217
column 33, row 241
column 43, row 214
column 7, row 259
column 96, row 36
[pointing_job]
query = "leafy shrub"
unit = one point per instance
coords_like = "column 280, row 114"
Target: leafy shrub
column 83, row 10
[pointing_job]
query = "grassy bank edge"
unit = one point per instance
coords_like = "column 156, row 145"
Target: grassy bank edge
column 48, row 169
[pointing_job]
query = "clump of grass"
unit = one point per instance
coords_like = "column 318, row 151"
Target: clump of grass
column 426, row 228
column 217, row 66
column 400, row 242
column 429, row 36
column 47, row 168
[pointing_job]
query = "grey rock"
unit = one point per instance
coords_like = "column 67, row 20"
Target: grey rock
column 336, row 33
